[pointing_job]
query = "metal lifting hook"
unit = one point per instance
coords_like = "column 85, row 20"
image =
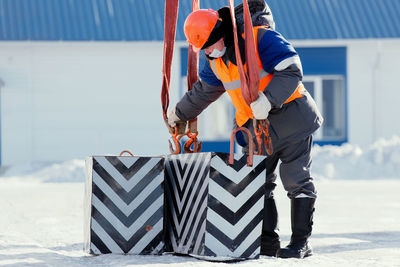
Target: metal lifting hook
column 267, row 140
column 176, row 139
column 258, row 132
column 192, row 141
column 261, row 126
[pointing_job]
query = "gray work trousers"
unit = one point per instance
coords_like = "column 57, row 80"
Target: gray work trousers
column 295, row 156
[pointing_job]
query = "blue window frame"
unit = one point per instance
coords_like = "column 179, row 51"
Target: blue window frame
column 325, row 74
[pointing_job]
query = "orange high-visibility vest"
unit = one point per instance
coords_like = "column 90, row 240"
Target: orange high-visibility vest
column 229, row 76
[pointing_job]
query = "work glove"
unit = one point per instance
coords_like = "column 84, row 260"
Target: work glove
column 172, row 118
column 260, row 107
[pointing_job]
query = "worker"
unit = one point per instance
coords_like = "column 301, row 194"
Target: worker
column 282, row 99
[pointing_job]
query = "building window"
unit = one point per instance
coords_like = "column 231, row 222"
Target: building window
column 325, row 75
column 329, row 94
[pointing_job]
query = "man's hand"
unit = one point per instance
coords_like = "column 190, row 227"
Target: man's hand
column 261, row 107
column 172, row 118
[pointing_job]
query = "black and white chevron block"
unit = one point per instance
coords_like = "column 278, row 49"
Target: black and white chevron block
column 186, row 201
column 215, row 209
column 235, row 207
column 124, row 205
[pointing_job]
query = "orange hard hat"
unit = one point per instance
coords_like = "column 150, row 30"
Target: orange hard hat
column 198, row 27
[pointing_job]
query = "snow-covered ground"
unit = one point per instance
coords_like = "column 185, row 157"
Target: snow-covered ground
column 357, row 218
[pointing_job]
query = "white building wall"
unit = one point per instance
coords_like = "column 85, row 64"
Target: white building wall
column 372, row 87
column 71, row 100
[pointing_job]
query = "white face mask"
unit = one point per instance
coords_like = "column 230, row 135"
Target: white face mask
column 217, row 53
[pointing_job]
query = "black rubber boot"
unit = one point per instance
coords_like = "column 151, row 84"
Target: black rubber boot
column 302, row 220
column 270, row 243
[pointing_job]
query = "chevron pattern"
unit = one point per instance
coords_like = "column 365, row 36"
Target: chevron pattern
column 186, row 195
column 235, row 207
column 127, row 201
column 214, row 209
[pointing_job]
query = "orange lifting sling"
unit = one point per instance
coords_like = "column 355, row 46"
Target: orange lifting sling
column 249, row 80
column 170, row 20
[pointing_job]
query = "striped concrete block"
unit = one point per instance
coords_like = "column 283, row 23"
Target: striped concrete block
column 124, row 205
column 214, row 209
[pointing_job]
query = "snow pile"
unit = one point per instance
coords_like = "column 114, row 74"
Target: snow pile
column 380, row 160
column 68, row 171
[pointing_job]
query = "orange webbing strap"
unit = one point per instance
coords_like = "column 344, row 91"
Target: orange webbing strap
column 193, row 57
column 192, row 72
column 170, row 20
column 249, row 81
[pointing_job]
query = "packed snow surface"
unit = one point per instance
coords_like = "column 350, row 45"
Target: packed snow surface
column 356, row 223
column 380, row 160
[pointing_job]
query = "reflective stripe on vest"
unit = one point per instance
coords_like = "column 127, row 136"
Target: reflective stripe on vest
column 229, row 76
column 236, row 83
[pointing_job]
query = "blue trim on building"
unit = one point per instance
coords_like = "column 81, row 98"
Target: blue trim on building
column 323, row 60
column 143, row 20
column 331, row 143
column 216, row 146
